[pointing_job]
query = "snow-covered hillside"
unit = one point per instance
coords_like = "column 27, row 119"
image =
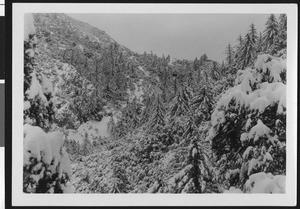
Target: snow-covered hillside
column 93, row 129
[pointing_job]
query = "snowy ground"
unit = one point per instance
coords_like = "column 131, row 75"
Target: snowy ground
column 94, row 129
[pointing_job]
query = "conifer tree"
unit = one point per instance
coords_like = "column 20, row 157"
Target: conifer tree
column 247, row 52
column 136, row 110
column 240, row 43
column 270, row 33
column 86, row 147
column 202, row 59
column 195, row 159
column 190, row 130
column 148, row 103
column 229, row 56
column 38, row 104
column 168, row 58
column 215, row 72
column 195, row 174
column 181, row 103
column 245, row 134
column 260, row 43
column 202, row 104
column 157, row 120
column 282, row 32
column 46, row 164
column 196, row 64
column 165, row 83
column 223, row 68
column 237, row 49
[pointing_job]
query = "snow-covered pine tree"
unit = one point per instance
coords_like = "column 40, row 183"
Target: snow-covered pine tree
column 136, row 110
column 157, row 120
column 194, row 173
column 86, row 102
column 200, row 172
column 197, row 71
column 76, row 149
column 281, row 38
column 176, row 115
column 260, row 43
column 168, row 58
column 247, row 52
column 120, row 79
column 148, row 104
column 122, row 125
column 229, row 56
column 201, row 104
column 130, row 119
column 248, row 124
column 237, row 49
column 223, row 68
column 240, row 43
column 190, row 131
column 181, row 103
column 215, row 73
column 38, row 90
column 164, row 75
column 270, row 33
column 196, row 64
column 202, row 59
column 46, row 164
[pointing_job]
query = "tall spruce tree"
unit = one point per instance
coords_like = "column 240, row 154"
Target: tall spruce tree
column 282, row 32
column 239, row 45
column 181, row 103
column 202, row 59
column 247, row 52
column 260, row 43
column 157, row 121
column 202, row 104
column 229, row 56
column 196, row 64
column 237, row 49
column 270, row 33
column 215, row 71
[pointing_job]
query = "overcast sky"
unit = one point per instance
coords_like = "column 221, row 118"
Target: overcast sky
column 179, row 35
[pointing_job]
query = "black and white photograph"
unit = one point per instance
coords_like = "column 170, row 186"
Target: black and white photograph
column 155, row 103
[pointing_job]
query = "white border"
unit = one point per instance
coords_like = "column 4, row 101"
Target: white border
column 2, row 176
column 2, row 182
column 19, row 198
column 2, row 9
